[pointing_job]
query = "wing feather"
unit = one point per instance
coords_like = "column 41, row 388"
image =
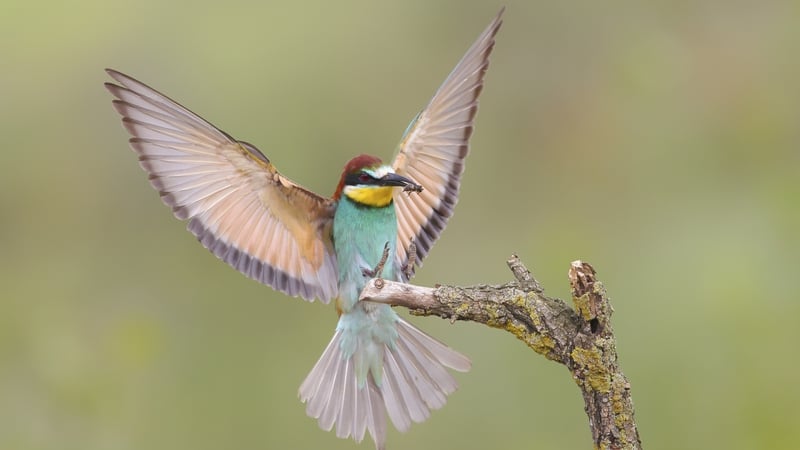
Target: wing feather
column 433, row 149
column 237, row 204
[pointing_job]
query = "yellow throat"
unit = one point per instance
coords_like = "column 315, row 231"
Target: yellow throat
column 376, row 196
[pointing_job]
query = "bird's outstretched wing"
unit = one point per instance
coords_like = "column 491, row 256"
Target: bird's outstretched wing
column 237, row 203
column 433, row 149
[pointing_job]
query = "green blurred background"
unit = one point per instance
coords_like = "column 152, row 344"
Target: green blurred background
column 661, row 143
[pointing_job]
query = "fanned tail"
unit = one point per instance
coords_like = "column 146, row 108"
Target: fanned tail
column 333, row 396
column 414, row 381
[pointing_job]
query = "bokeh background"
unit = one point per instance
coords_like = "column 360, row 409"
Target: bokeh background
column 659, row 141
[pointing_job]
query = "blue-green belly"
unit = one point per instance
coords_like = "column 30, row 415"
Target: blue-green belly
column 360, row 234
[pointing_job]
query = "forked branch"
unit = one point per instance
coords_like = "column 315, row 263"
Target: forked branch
column 581, row 339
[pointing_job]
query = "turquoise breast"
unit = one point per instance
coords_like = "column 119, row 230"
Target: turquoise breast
column 359, row 235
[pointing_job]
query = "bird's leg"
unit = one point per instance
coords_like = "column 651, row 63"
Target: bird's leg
column 412, row 259
column 376, row 272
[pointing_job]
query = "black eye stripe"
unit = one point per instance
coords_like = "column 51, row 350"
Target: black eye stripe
column 353, row 179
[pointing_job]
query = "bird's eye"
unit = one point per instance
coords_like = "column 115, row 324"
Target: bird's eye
column 364, row 178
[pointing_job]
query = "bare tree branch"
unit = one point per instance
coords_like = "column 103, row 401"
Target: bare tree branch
column 582, row 339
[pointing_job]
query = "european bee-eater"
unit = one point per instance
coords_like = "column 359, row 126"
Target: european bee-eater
column 307, row 245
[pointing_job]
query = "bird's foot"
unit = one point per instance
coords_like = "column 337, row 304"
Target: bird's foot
column 408, row 270
column 378, row 270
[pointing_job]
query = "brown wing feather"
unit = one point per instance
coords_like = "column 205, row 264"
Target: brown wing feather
column 433, row 149
column 237, row 203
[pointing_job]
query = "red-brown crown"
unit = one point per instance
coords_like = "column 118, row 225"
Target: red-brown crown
column 354, row 166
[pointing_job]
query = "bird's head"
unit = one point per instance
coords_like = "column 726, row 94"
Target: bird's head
column 367, row 181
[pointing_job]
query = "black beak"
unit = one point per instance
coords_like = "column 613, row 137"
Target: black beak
column 393, row 179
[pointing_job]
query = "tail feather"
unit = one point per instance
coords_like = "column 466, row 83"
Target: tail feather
column 433, row 382
column 395, row 405
column 333, row 396
column 336, row 399
column 414, row 380
column 316, row 389
column 375, row 415
column 348, row 410
column 406, row 395
column 439, row 351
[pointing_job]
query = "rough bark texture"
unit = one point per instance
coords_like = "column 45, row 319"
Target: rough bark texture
column 582, row 338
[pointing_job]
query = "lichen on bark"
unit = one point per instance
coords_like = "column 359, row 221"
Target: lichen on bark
column 582, row 339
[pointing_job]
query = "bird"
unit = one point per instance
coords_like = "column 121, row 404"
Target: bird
column 381, row 221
